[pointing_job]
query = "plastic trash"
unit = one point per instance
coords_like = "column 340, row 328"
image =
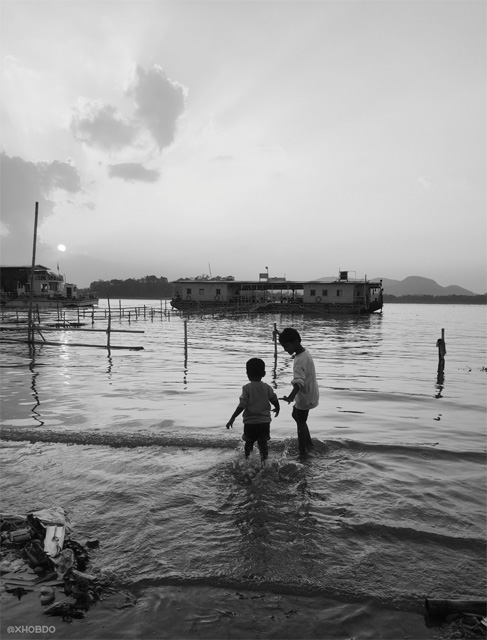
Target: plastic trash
column 53, row 523
column 19, row 536
column 65, row 561
column 47, row 596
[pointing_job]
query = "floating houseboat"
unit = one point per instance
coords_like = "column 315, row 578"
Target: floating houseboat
column 278, row 295
column 49, row 290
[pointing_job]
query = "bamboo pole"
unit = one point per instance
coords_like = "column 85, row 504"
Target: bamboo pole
column 440, row 343
column 185, row 342
column 31, row 300
column 108, row 326
column 70, row 328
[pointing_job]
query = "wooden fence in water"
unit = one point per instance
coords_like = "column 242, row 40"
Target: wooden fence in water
column 16, row 324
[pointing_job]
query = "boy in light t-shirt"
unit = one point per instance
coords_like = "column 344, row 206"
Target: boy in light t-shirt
column 305, row 386
column 255, row 404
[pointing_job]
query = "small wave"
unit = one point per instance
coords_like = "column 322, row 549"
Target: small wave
column 116, row 439
column 321, row 448
column 376, row 529
column 428, row 451
column 252, row 583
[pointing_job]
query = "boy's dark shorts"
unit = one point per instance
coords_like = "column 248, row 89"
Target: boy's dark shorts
column 256, row 432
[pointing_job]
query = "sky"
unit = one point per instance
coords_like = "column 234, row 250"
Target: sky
column 218, row 137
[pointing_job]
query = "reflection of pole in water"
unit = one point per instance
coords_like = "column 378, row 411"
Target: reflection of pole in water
column 33, row 386
column 441, row 344
column 110, row 363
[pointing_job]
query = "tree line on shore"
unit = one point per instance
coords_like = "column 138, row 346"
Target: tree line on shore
column 149, row 287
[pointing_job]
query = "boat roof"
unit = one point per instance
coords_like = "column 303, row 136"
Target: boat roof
column 39, row 267
column 275, row 281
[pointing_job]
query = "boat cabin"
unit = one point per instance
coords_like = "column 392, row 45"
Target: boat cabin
column 16, row 282
column 340, row 295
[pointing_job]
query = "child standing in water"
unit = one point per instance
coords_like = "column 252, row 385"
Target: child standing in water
column 305, row 385
column 255, row 403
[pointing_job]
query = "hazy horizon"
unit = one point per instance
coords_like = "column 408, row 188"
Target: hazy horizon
column 178, row 138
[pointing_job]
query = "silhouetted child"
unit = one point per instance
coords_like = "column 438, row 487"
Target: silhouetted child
column 305, row 385
column 255, row 403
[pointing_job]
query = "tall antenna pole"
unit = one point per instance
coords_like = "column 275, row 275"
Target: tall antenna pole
column 31, row 300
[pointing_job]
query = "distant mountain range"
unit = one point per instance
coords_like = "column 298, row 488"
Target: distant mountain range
column 416, row 286
column 419, row 286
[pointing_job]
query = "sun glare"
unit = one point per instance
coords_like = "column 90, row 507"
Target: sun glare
column 61, row 247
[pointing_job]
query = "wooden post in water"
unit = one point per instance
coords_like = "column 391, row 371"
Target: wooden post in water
column 185, row 342
column 31, row 299
column 275, row 333
column 108, row 325
column 440, row 343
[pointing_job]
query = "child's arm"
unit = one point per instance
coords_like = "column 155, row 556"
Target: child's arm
column 236, row 413
column 293, row 394
column 277, row 407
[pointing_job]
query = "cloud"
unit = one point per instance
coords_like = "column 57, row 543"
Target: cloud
column 101, row 125
column 157, row 104
column 425, row 181
column 160, row 102
column 23, row 184
column 131, row 171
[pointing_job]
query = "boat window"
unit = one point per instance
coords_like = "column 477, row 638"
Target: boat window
column 218, row 292
column 188, row 292
column 202, row 292
column 324, row 292
column 339, row 292
column 313, row 292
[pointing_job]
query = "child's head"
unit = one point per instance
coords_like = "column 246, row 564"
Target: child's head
column 290, row 340
column 255, row 369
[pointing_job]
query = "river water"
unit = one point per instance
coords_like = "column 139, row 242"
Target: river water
column 388, row 509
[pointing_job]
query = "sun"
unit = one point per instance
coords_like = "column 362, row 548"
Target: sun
column 61, row 247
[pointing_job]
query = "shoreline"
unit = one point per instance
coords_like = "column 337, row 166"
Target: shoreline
column 207, row 612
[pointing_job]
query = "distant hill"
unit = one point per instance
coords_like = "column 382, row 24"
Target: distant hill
column 415, row 286
column 419, row 286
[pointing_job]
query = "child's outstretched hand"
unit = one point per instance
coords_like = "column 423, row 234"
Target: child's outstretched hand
column 276, row 411
column 229, row 424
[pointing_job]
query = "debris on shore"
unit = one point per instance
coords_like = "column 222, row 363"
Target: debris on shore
column 37, row 553
column 457, row 619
